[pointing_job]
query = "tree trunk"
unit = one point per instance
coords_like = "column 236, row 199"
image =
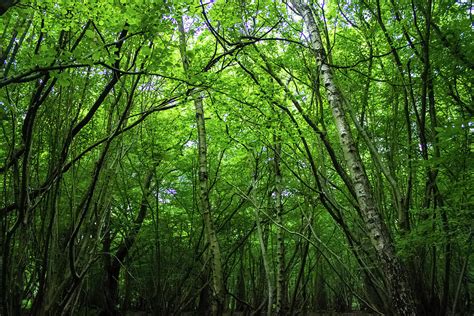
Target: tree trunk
column 261, row 240
column 280, row 275
column 400, row 291
column 218, row 301
column 113, row 263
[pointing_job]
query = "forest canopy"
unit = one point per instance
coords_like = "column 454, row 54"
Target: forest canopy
column 248, row 157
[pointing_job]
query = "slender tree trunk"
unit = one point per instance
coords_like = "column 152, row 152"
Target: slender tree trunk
column 218, row 301
column 261, row 240
column 241, row 292
column 280, row 275
column 398, row 286
column 298, row 285
column 114, row 262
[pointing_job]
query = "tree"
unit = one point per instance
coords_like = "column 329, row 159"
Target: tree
column 218, row 288
column 258, row 157
column 398, row 286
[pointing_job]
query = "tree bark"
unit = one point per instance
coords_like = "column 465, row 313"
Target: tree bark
column 218, row 301
column 402, row 302
column 280, row 275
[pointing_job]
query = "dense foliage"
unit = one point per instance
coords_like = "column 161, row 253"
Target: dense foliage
column 185, row 156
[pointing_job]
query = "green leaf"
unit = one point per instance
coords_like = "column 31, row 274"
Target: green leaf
column 146, row 50
column 96, row 56
column 90, row 33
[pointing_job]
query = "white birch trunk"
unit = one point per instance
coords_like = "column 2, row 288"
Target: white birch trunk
column 401, row 295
